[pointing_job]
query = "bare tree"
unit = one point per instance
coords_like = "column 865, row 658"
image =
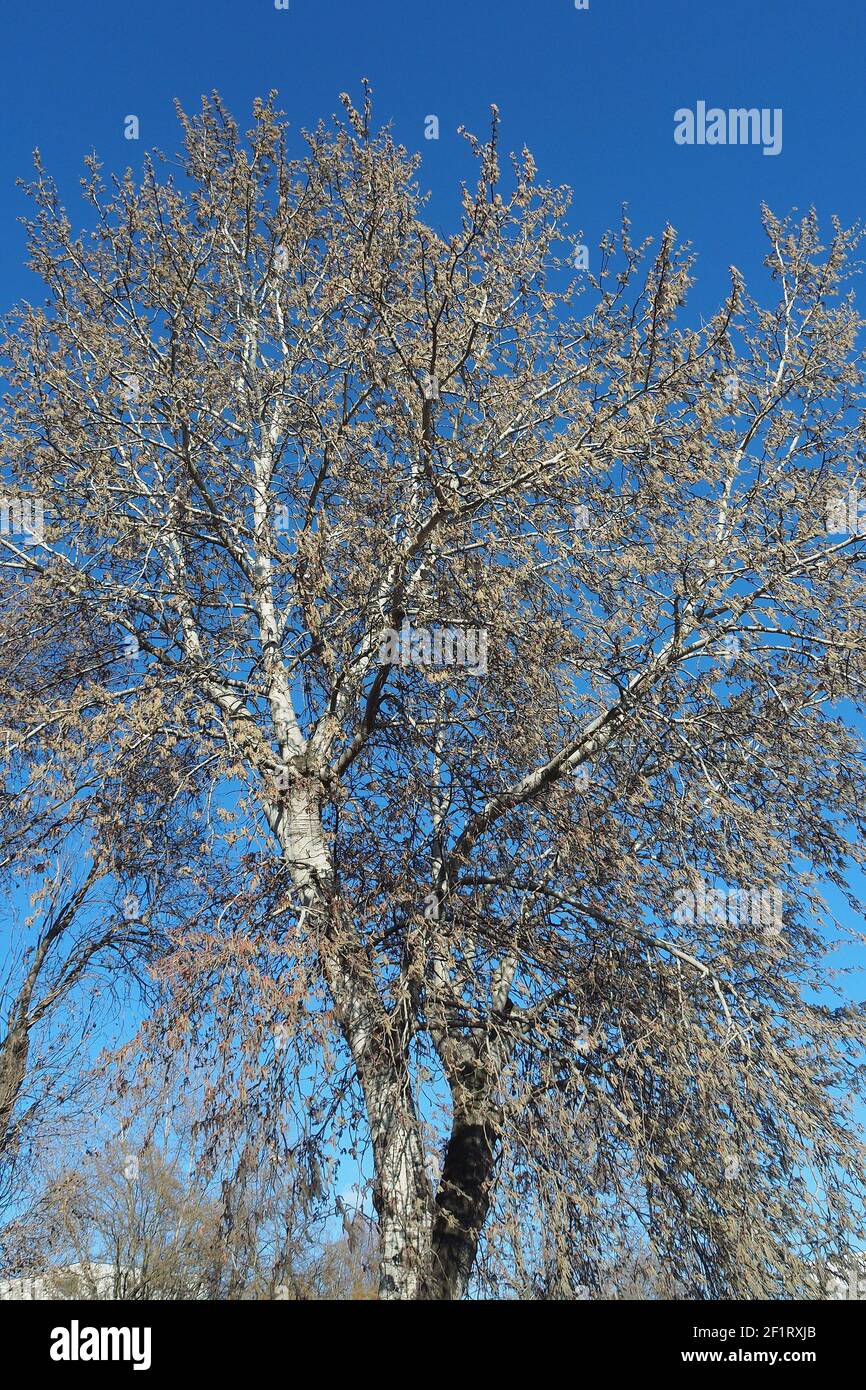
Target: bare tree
column 36, row 983
column 82, row 872
column 133, row 1219
column 521, row 666
column 60, row 925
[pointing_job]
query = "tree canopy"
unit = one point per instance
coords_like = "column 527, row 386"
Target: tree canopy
column 534, row 906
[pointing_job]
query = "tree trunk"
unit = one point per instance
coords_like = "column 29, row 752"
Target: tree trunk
column 427, row 1248
column 463, row 1197
column 13, row 1070
column 402, row 1193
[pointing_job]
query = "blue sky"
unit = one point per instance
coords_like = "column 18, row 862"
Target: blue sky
column 591, row 92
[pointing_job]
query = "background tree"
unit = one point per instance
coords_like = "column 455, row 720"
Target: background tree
column 501, row 921
column 122, row 1221
column 83, row 866
column 67, row 942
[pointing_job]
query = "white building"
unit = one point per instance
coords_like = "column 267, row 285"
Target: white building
column 89, row 1281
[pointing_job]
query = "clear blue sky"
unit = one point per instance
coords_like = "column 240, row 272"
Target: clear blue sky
column 591, row 92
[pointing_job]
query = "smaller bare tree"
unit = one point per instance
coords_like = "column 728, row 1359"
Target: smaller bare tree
column 137, row 1220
